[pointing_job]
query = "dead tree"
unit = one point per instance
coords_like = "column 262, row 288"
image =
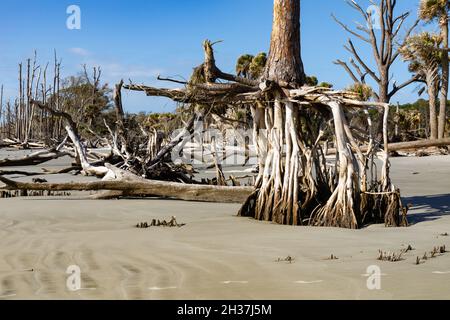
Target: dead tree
column 132, row 161
column 149, row 159
column 80, row 149
column 295, row 185
column 384, row 46
column 21, row 121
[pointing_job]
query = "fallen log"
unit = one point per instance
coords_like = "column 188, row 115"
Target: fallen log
column 5, row 145
column 18, row 172
column 8, row 143
column 419, row 144
column 148, row 188
column 106, row 195
column 33, row 159
column 59, row 171
column 407, row 145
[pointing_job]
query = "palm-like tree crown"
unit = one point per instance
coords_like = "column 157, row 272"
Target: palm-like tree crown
column 433, row 9
column 258, row 65
column 243, row 65
column 252, row 67
column 422, row 52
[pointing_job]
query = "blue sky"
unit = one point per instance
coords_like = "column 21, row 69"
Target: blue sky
column 143, row 38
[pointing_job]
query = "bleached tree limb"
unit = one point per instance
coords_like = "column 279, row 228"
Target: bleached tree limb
column 33, row 159
column 204, row 193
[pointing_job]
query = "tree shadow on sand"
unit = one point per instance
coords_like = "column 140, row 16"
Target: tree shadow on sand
column 428, row 208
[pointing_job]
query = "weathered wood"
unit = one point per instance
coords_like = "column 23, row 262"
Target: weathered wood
column 205, row 95
column 57, row 113
column 6, row 145
column 124, row 150
column 18, row 172
column 60, row 171
column 186, row 132
column 399, row 146
column 419, row 144
column 148, row 188
column 80, row 149
column 33, row 159
column 88, row 168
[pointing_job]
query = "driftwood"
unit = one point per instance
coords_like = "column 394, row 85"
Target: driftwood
column 148, row 188
column 18, row 172
column 88, row 168
column 33, row 159
column 37, row 157
column 59, row 114
column 65, row 170
column 147, row 165
column 186, row 132
column 44, row 172
column 407, row 145
column 419, row 144
column 6, row 145
column 79, row 147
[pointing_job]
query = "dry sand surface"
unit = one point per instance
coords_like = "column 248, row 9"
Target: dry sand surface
column 218, row 255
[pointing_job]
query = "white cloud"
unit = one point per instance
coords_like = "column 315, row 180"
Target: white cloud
column 79, row 52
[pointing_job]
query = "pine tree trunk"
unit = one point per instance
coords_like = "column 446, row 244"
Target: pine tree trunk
column 432, row 93
column 285, row 63
column 445, row 79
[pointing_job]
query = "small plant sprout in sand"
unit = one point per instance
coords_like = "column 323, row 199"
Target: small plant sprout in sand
column 288, row 259
column 158, row 223
column 390, row 256
column 417, row 261
column 436, row 252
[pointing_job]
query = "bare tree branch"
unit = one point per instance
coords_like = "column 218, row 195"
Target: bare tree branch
column 347, row 68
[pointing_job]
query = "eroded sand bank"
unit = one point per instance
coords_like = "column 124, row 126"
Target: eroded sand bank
column 217, row 255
